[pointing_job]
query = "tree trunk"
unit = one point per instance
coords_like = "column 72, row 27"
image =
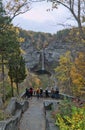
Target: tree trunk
column 12, row 90
column 3, row 86
column 17, row 88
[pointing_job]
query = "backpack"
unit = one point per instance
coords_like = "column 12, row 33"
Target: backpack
column 38, row 91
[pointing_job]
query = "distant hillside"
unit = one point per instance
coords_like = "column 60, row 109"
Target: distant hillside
column 36, row 39
column 54, row 46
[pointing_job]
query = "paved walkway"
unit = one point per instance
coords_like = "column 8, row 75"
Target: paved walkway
column 33, row 118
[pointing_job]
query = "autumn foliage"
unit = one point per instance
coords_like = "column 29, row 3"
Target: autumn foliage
column 70, row 116
column 78, row 74
column 71, row 74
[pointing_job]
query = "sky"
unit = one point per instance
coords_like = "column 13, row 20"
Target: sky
column 39, row 19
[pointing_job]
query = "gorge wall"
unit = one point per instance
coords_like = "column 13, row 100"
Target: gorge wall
column 52, row 54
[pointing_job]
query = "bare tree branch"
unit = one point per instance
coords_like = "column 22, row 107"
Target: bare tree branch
column 14, row 8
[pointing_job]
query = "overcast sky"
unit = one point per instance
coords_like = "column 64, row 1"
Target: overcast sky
column 39, row 19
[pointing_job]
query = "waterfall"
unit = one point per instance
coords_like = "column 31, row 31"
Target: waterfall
column 43, row 70
column 42, row 54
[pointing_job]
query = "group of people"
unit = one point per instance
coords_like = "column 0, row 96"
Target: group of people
column 55, row 93
column 39, row 92
column 29, row 92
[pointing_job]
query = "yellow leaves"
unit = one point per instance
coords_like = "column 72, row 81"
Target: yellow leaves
column 76, row 77
column 80, row 63
column 63, row 70
column 65, row 58
column 22, row 51
column 17, row 30
column 77, row 80
column 67, row 118
column 21, row 39
column 78, row 73
column 74, row 121
column 77, row 120
column 77, row 33
column 37, row 81
column 72, row 72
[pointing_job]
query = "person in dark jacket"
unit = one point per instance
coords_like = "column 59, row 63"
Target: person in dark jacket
column 52, row 93
column 27, row 93
column 56, row 93
column 46, row 93
column 41, row 92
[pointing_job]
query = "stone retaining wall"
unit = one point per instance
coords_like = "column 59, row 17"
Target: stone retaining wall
column 61, row 95
column 49, row 105
column 15, row 108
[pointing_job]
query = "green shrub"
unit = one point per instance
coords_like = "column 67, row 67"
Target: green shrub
column 3, row 115
column 70, row 117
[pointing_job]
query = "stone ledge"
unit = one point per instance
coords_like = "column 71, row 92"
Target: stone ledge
column 50, row 122
column 16, row 109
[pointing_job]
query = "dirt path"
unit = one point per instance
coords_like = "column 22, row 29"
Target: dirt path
column 33, row 118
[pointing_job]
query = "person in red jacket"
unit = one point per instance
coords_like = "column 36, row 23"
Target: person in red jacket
column 31, row 92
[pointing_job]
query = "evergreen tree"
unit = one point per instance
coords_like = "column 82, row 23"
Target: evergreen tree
column 9, row 42
column 3, row 26
column 17, row 72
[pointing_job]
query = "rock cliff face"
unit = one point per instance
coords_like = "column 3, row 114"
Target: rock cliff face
column 51, row 53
